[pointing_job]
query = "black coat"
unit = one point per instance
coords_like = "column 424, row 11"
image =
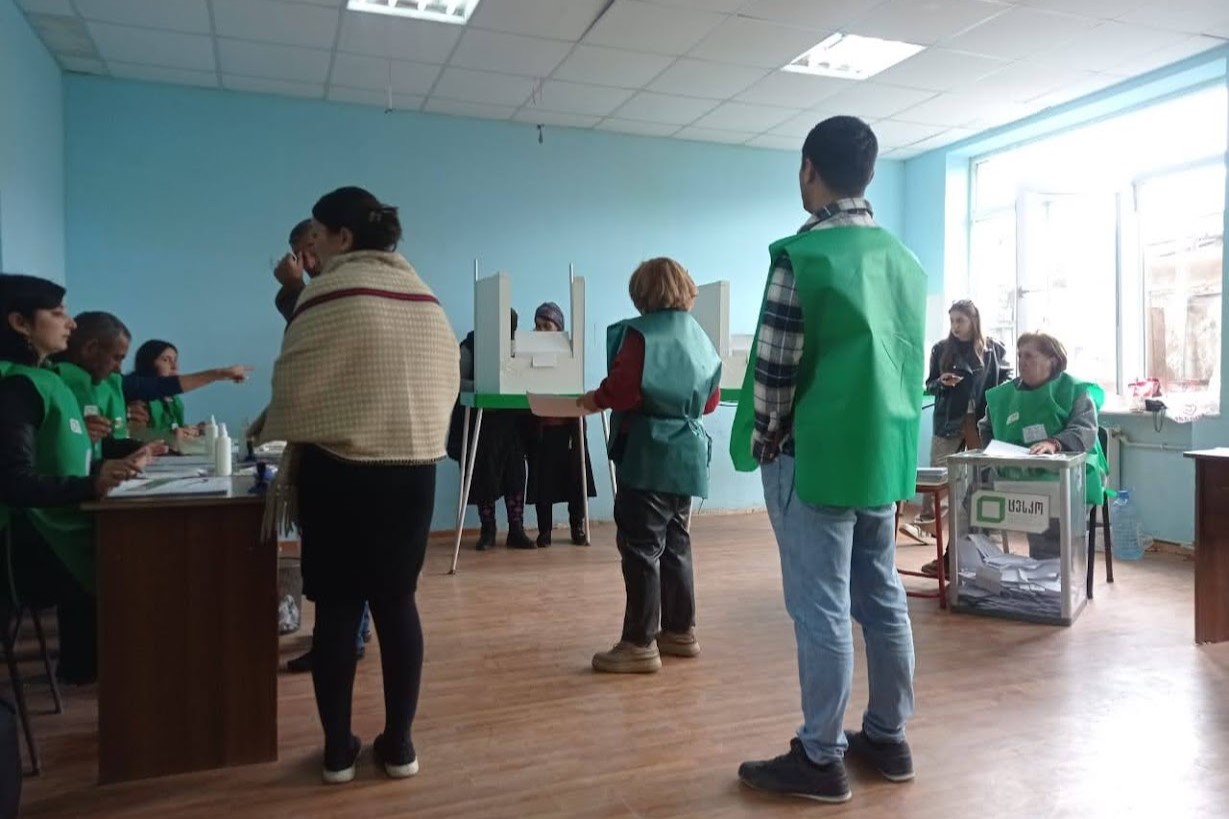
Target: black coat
column 952, row 403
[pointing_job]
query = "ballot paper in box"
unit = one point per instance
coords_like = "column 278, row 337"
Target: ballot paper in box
column 540, row 362
column 712, row 311
column 1020, row 544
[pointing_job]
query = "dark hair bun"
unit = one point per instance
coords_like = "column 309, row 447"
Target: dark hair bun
column 374, row 225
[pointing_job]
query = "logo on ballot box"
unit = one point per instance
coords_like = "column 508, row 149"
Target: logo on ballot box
column 1011, row 511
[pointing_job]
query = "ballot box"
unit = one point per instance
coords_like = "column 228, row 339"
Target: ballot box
column 1019, row 544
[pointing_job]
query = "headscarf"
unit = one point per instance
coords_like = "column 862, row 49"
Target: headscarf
column 550, row 312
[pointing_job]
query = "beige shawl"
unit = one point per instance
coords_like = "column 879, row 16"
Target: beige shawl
column 368, row 371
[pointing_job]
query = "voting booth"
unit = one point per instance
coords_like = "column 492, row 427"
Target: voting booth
column 712, row 311
column 1019, row 547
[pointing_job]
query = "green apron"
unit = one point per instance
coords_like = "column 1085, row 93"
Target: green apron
column 663, row 446
column 1020, row 416
column 166, row 416
column 857, row 407
column 62, row 449
column 106, row 397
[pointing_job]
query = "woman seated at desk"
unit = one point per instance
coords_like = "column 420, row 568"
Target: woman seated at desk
column 1048, row 411
column 47, row 471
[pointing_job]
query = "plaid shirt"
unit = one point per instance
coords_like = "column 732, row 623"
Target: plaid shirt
column 779, row 349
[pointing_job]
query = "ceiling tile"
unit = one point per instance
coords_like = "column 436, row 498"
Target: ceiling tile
column 149, row 47
column 610, row 66
column 1108, row 45
column 301, row 65
column 509, row 53
column 464, row 85
column 714, row 135
column 64, row 36
column 380, row 35
column 631, row 126
column 948, row 137
column 872, row 100
column 1018, row 31
column 1024, row 81
column 958, row 110
column 1074, row 91
column 719, row 6
column 739, row 116
column 1097, row 9
column 535, row 116
column 574, row 98
column 924, row 22
column 701, row 78
column 825, row 15
column 276, row 22
column 892, row 134
column 457, row 108
column 378, row 99
column 63, row 8
column 336, row 4
column 83, row 65
column 558, row 19
column 797, row 127
column 282, row 88
column 756, row 43
column 938, row 69
column 174, row 76
column 190, row 16
column 664, row 108
column 780, row 143
column 1188, row 16
column 643, row 26
column 1162, row 57
column 792, row 90
column 373, row 73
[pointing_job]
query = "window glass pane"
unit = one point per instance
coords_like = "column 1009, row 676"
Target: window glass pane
column 992, row 268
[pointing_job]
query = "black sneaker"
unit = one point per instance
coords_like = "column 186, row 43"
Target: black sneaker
column 543, row 538
column 794, row 774
column 400, row 762
column 301, row 664
column 893, row 760
column 517, row 539
column 579, row 538
column 341, row 769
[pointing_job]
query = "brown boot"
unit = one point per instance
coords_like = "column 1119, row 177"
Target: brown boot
column 627, row 658
column 678, row 644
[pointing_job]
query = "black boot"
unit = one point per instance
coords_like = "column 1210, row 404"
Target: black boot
column 486, row 538
column 578, row 532
column 543, row 538
column 517, row 539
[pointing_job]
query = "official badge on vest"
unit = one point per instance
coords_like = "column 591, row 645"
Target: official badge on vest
column 75, row 426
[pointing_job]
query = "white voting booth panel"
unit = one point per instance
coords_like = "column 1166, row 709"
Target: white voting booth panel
column 1019, row 541
column 712, row 311
column 551, row 363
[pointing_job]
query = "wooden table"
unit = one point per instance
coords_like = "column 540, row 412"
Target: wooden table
column 1211, row 545
column 187, row 636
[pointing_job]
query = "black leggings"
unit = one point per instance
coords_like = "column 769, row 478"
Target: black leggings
column 400, row 634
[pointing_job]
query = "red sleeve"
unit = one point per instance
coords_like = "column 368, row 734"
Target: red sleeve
column 620, row 389
column 713, row 400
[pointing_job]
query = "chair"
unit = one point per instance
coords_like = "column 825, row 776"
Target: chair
column 1103, row 437
column 937, row 492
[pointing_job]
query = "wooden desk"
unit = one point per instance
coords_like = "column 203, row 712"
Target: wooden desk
column 187, row 636
column 1211, row 545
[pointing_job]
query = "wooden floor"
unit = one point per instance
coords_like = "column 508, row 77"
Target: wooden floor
column 1120, row 715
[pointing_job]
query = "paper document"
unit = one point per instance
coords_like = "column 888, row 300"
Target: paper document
column 162, row 487
column 1004, row 450
column 555, row 406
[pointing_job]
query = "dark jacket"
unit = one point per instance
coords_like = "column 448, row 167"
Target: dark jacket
column 21, row 485
column 952, row 403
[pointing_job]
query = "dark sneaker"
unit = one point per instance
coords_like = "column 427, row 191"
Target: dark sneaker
column 399, row 762
column 301, row 664
column 579, row 538
column 893, row 760
column 517, row 539
column 340, row 769
column 794, row 774
column 543, row 538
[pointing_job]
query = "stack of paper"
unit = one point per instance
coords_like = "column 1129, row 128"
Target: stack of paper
column 166, row 486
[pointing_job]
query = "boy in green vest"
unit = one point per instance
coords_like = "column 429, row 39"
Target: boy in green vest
column 830, row 412
column 663, row 376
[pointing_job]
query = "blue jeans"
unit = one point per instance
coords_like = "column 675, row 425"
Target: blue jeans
column 836, row 562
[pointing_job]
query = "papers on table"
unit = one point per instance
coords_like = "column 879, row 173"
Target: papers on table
column 183, row 467
column 555, row 406
column 1001, row 449
column 169, row 486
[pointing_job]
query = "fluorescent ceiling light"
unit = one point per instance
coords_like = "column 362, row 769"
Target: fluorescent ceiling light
column 852, row 57
column 439, row 11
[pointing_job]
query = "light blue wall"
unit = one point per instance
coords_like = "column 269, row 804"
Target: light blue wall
column 179, row 198
column 936, row 202
column 31, row 152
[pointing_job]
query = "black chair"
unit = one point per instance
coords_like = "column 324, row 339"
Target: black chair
column 1103, row 437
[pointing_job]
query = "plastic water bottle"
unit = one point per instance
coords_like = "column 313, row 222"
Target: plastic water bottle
column 1129, row 544
column 222, row 454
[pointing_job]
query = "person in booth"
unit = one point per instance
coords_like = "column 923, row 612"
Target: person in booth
column 663, row 376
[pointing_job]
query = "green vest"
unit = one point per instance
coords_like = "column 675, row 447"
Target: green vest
column 62, row 449
column 857, row 407
column 107, row 398
column 1013, row 411
column 663, row 447
column 166, row 415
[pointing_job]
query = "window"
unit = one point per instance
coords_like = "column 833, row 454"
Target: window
column 1110, row 237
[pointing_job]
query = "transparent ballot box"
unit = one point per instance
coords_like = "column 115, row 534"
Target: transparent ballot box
column 1019, row 542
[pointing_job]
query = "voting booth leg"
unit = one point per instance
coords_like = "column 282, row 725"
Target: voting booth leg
column 469, row 452
column 584, row 477
column 614, row 485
